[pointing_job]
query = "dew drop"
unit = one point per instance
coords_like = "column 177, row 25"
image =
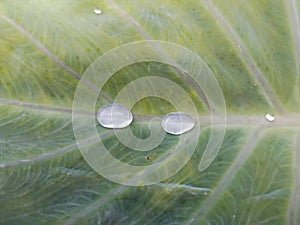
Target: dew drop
column 270, row 117
column 97, row 11
column 114, row 116
column 177, row 123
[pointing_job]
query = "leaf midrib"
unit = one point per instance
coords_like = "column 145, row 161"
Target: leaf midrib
column 282, row 120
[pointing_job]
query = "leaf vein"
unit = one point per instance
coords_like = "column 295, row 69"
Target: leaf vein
column 294, row 20
column 231, row 172
column 293, row 213
column 56, row 60
column 147, row 36
column 255, row 71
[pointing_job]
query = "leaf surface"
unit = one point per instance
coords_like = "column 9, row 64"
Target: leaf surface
column 253, row 50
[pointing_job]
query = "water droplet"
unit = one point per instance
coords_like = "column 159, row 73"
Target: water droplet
column 270, row 117
column 177, row 123
column 114, row 116
column 97, row 11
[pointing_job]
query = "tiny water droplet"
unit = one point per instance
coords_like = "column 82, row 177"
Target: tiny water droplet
column 177, row 123
column 97, row 11
column 114, row 116
column 270, row 117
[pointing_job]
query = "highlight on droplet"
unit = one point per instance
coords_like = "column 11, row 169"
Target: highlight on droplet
column 177, row 123
column 114, row 116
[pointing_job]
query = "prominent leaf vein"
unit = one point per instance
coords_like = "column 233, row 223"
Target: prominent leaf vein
column 147, row 36
column 293, row 211
column 295, row 23
column 41, row 47
column 36, row 106
column 255, row 71
column 40, row 157
column 52, row 154
column 230, row 174
column 57, row 61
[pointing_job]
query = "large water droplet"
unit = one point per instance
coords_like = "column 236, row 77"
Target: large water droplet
column 114, row 116
column 177, row 123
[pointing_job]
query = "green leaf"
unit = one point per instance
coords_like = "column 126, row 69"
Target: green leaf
column 252, row 50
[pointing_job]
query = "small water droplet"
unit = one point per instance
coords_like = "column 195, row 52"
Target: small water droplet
column 270, row 117
column 114, row 116
column 177, row 123
column 97, row 11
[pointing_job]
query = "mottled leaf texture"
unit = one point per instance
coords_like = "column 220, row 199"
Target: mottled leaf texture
column 252, row 48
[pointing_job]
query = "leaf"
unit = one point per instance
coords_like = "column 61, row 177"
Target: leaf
column 252, row 50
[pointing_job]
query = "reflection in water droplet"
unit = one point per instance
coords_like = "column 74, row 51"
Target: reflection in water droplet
column 114, row 116
column 177, row 123
column 97, row 11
